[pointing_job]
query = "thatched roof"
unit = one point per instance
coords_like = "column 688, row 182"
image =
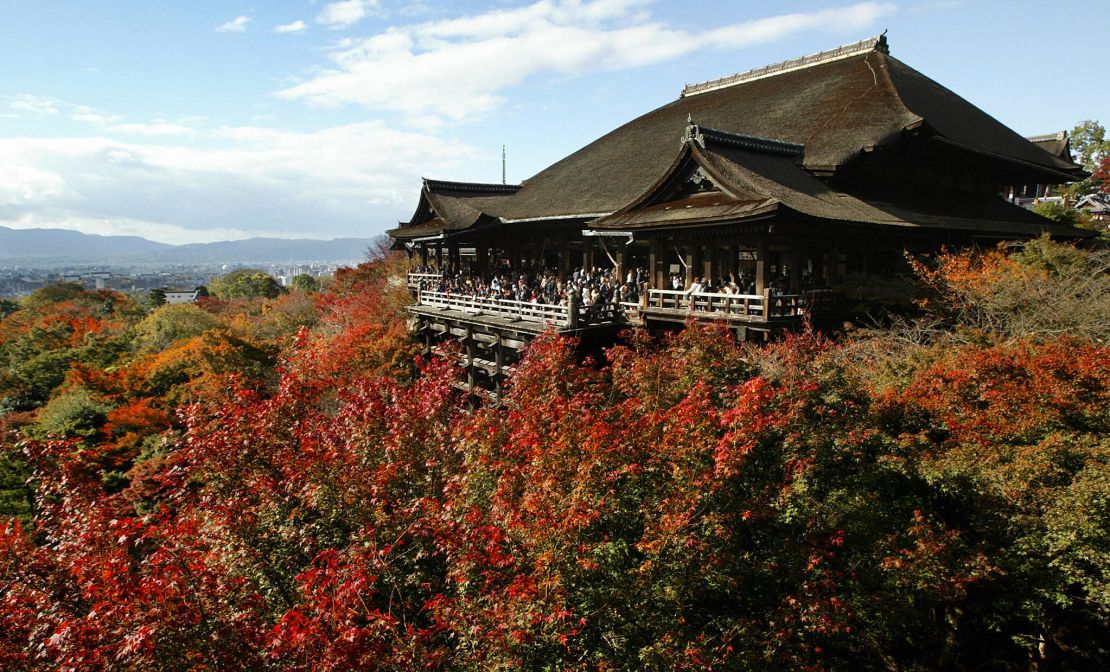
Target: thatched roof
column 837, row 105
column 451, row 206
column 752, row 177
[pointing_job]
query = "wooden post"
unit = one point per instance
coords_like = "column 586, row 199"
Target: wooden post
column 514, row 257
column 795, row 256
column 622, row 263
column 424, row 255
column 656, row 275
column 572, row 311
column 711, row 265
column 482, row 260
column 832, row 265
column 468, row 361
column 453, row 256
column 766, row 303
column 439, row 257
column 761, row 267
column 564, row 258
column 690, row 266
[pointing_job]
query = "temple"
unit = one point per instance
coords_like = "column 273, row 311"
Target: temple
column 754, row 200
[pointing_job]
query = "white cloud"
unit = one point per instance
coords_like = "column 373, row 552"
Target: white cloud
column 297, row 26
column 158, row 128
column 90, row 115
column 34, row 105
column 352, row 180
column 236, row 25
column 27, row 104
column 346, row 13
column 455, row 69
column 157, row 231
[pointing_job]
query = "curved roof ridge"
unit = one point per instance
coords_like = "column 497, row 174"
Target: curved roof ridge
column 877, row 43
column 702, row 134
column 1045, row 137
column 487, row 187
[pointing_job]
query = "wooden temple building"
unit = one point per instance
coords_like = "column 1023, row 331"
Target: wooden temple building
column 796, row 175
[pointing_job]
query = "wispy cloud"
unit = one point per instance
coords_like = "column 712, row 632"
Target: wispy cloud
column 346, row 13
column 34, row 105
column 236, row 25
column 297, row 26
column 157, row 128
column 234, row 182
column 455, row 69
column 91, row 115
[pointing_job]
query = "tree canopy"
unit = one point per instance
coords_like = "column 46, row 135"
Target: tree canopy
column 244, row 283
column 285, row 492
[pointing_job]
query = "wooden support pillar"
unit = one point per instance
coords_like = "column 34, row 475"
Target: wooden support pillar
column 564, row 259
column 711, row 266
column 453, row 256
column 587, row 254
column 471, row 370
column 439, row 256
column 732, row 263
column 622, row 262
column 689, row 265
column 695, row 259
column 514, row 257
column 657, row 274
column 832, row 265
column 762, row 267
column 481, row 253
column 499, row 360
column 424, row 255
column 795, row 258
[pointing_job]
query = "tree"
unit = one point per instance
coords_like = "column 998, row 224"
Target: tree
column 74, row 414
column 689, row 503
column 1101, row 177
column 7, row 307
column 305, row 283
column 172, row 323
column 1058, row 213
column 158, row 296
column 245, row 284
column 1090, row 145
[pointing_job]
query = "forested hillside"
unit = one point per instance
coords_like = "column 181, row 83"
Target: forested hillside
column 282, row 483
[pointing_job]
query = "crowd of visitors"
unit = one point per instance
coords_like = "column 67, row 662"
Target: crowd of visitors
column 593, row 290
column 588, row 287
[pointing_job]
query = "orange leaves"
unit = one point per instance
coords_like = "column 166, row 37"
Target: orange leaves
column 1015, row 393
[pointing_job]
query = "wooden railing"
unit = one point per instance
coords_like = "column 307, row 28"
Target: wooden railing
column 569, row 316
column 417, row 280
column 763, row 307
column 753, row 307
column 525, row 311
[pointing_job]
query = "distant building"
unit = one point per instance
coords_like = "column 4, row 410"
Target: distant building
column 1027, row 195
column 1096, row 206
column 182, row 295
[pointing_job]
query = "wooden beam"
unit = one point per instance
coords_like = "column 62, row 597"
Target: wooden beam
column 762, row 268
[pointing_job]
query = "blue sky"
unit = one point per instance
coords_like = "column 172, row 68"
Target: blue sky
column 201, row 121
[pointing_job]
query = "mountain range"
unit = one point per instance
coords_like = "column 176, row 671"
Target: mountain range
column 62, row 246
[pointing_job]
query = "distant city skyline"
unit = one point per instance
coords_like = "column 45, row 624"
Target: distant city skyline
column 226, row 120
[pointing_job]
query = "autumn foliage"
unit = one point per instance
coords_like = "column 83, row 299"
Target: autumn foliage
column 688, row 503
